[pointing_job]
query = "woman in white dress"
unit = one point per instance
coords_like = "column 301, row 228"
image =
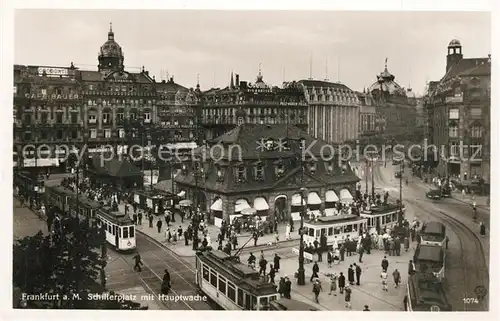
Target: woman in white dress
column 287, row 232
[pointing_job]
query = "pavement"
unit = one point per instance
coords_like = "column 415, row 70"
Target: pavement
column 179, row 248
column 26, row 222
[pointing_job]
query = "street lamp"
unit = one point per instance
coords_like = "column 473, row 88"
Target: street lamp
column 150, row 160
column 198, row 172
column 301, row 277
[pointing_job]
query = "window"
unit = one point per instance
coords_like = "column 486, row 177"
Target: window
column 475, row 152
column 231, row 292
column 59, row 118
column 240, row 174
column 311, row 232
column 453, row 130
column 59, row 134
column 107, row 133
column 93, row 133
column 109, row 227
column 114, row 229
column 131, row 231
column 312, row 168
column 121, row 132
column 206, row 273
column 475, row 131
column 92, row 119
column 27, row 136
column 330, row 231
column 259, row 172
column 269, row 144
column 476, row 112
column 74, row 134
column 44, row 118
column 119, row 116
column 454, row 148
column 240, row 297
column 119, row 232
column 132, row 116
column 125, row 232
column 241, row 121
column 147, row 117
column 280, row 169
column 454, row 113
column 213, row 278
column 74, row 118
column 44, row 92
column 222, row 284
column 44, row 135
column 106, row 118
column 337, row 230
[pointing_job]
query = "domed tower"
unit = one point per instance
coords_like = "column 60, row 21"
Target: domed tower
column 111, row 55
column 454, row 54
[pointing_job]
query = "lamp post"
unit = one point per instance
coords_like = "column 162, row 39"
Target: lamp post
column 301, row 278
column 197, row 172
column 366, row 176
column 400, row 216
column 151, row 160
column 373, row 180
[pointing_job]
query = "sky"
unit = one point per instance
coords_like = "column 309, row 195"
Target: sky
column 350, row 47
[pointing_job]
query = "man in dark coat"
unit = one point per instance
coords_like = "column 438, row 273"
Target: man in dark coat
column 263, row 266
column 165, row 284
column 342, row 252
column 358, row 273
column 134, row 218
column 186, row 237
column 341, row 282
column 150, row 218
column 315, row 271
column 276, row 260
column 288, row 288
column 139, row 218
column 385, row 264
column 350, row 275
column 281, row 287
column 158, row 225
column 138, row 262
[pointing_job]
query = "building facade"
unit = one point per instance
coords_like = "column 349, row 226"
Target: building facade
column 368, row 119
column 395, row 106
column 105, row 108
column 261, row 166
column 246, row 103
column 458, row 109
column 333, row 111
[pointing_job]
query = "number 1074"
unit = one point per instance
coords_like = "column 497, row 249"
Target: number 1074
column 471, row 300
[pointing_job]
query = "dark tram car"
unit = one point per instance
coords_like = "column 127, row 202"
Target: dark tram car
column 231, row 284
column 284, row 304
column 425, row 293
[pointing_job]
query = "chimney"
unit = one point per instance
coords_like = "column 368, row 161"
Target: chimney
column 237, row 80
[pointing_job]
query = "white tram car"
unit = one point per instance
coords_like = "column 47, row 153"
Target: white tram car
column 120, row 229
column 231, row 284
column 433, row 233
column 381, row 218
column 336, row 228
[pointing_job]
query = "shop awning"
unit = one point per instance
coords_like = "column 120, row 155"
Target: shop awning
column 297, row 200
column 217, row 205
column 241, row 204
column 330, row 196
column 313, row 199
column 181, row 194
column 345, row 196
column 260, row 204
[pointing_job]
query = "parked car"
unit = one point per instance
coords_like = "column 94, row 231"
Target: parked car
column 434, row 194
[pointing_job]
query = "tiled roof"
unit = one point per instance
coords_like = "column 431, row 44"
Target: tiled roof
column 93, row 75
column 484, row 69
column 463, row 65
column 169, row 86
column 115, row 167
column 320, row 83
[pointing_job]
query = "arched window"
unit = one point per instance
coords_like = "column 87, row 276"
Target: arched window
column 241, row 121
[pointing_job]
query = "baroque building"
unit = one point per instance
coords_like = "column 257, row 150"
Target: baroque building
column 246, row 103
column 333, row 110
column 368, row 119
column 107, row 108
column 262, row 166
column 458, row 116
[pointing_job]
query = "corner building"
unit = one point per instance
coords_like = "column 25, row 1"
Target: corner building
column 266, row 173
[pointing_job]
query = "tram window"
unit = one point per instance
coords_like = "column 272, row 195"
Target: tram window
column 222, row 285
column 240, row 297
column 355, row 227
column 317, row 233
column 336, row 230
column 206, row 274
column 383, row 219
column 263, row 302
column 213, row 278
column 131, row 231
column 323, row 231
column 231, row 292
column 394, row 217
column 330, row 231
column 125, row 232
column 119, row 231
column 348, row 228
column 109, row 227
column 311, row 232
column 114, row 229
column 254, row 303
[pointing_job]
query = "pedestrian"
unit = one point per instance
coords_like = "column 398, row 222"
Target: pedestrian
column 150, row 218
column 350, row 275
column 167, row 218
column 383, row 276
column 333, row 284
column 276, row 237
column 288, row 287
column 255, row 238
column 329, row 259
column 361, row 252
column 186, row 237
column 367, row 308
column 315, row 271
column 158, row 225
column 272, row 273
column 482, row 229
column 341, row 282
column 347, row 297
column 397, row 278
column 139, row 218
column 134, row 218
column 342, row 252
column 385, row 264
column 411, row 268
column 317, row 289
column 407, row 244
column 358, row 273
column 281, row 287
column 138, row 262
column 165, row 284
column 263, row 266
column 405, row 302
column 276, row 260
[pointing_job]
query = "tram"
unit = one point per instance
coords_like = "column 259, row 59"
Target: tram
column 429, row 258
column 381, row 218
column 231, row 284
column 425, row 293
column 433, row 233
column 336, row 228
column 284, row 304
column 120, row 229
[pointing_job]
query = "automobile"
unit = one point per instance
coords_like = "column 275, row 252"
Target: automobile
column 434, row 194
column 446, row 192
column 397, row 174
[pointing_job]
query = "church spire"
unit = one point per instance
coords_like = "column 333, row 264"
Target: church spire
column 111, row 34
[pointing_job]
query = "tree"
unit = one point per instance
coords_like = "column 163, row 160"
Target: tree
column 65, row 265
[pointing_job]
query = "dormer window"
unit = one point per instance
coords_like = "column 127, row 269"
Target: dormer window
column 279, row 169
column 269, row 144
column 241, row 173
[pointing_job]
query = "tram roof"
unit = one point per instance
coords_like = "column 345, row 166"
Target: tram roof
column 429, row 253
column 332, row 219
column 433, row 228
column 115, row 216
column 242, row 275
column 81, row 198
column 383, row 209
column 427, row 292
